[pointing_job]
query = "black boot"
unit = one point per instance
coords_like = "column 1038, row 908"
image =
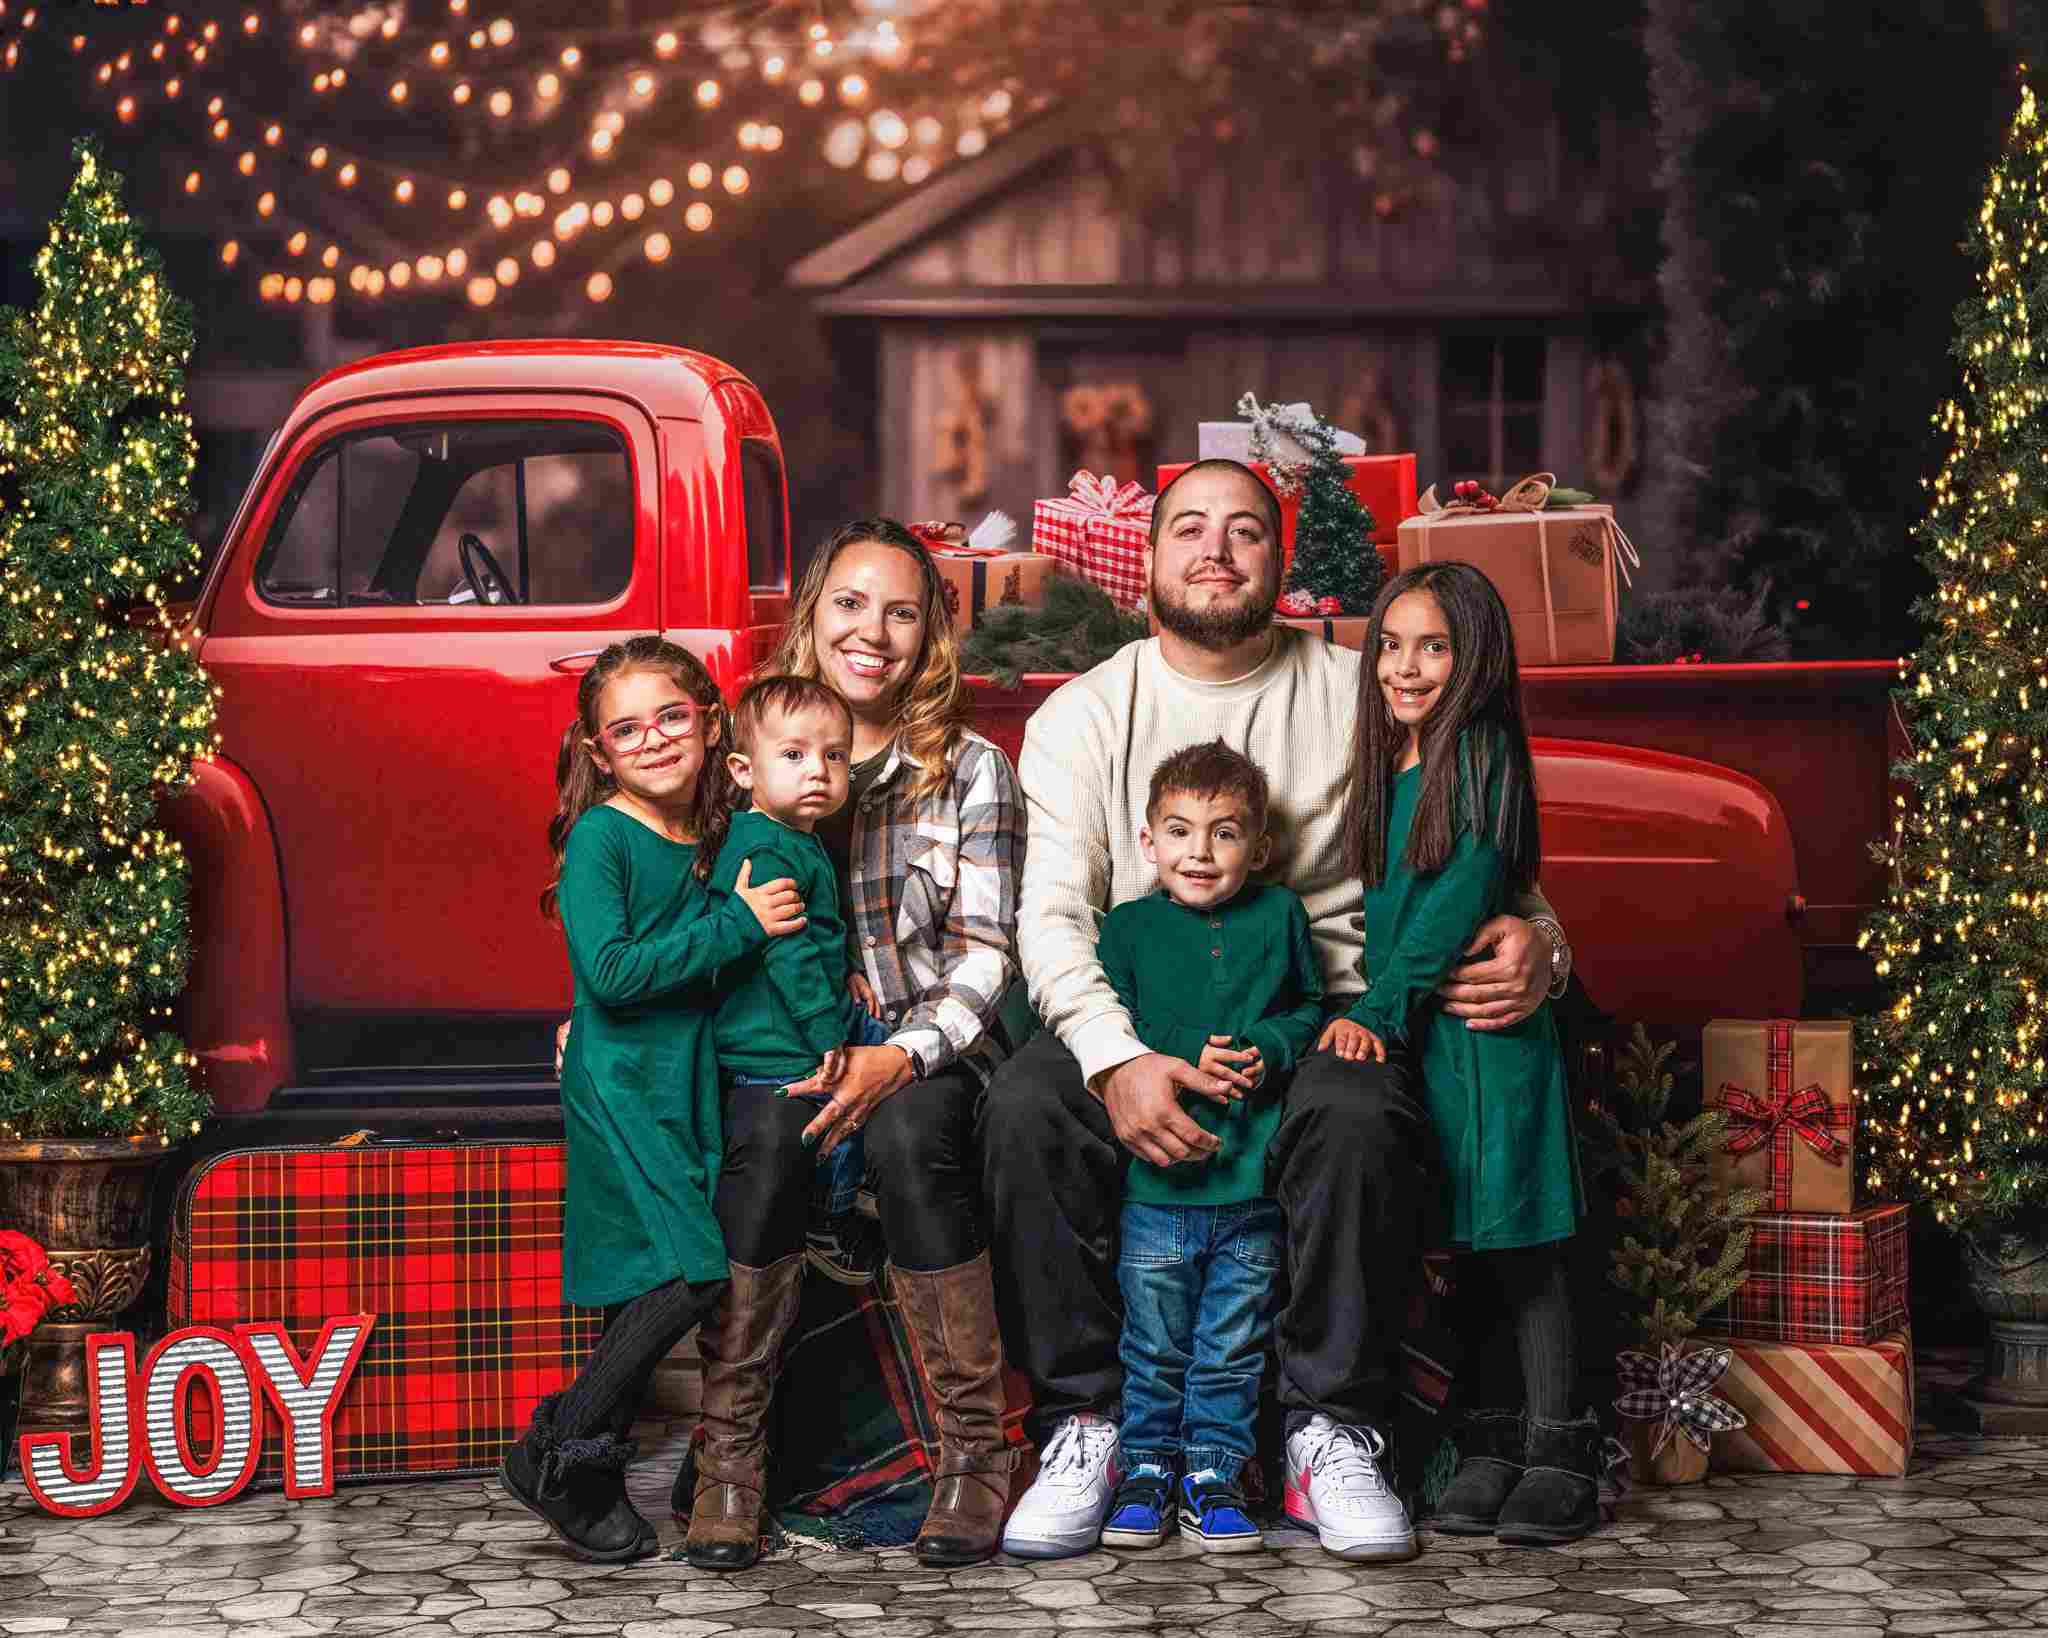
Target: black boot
column 577, row 1488
column 1559, row 1496
column 1490, row 1446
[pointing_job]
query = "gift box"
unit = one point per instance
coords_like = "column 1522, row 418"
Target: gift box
column 1788, row 1088
column 1815, row 1277
column 1345, row 630
column 1385, row 483
column 1554, row 567
column 1285, row 426
column 1098, row 529
column 975, row 582
column 1819, row 1408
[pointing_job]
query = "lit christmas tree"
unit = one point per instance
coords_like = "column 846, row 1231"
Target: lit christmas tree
column 104, row 706
column 1955, row 1066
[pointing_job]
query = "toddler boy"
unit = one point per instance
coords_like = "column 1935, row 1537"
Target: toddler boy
column 1220, row 973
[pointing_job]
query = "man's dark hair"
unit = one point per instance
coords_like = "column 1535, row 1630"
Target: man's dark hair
column 1212, row 769
column 1271, row 500
column 784, row 695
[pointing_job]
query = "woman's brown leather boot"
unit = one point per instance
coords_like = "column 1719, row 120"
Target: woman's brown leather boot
column 742, row 1345
column 952, row 1317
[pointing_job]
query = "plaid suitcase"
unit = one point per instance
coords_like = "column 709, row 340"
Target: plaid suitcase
column 455, row 1247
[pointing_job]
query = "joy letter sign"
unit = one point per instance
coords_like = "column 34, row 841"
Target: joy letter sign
column 143, row 1419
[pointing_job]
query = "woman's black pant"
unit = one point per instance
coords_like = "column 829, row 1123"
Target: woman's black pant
column 921, row 1163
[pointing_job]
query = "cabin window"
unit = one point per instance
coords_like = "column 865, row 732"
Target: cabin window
column 377, row 518
column 1492, row 406
column 767, row 518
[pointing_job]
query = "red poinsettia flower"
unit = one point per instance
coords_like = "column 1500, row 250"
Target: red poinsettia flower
column 29, row 1286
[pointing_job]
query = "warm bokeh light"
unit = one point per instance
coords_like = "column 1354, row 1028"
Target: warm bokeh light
column 657, row 247
column 598, row 287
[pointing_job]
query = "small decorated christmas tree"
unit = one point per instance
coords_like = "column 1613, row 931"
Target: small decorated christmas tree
column 1684, row 1245
column 105, row 708
column 1336, row 567
column 1956, row 1068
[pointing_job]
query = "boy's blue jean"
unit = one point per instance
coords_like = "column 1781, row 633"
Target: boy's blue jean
column 1200, row 1296
column 841, row 1173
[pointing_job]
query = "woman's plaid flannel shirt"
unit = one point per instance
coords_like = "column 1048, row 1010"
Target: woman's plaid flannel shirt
column 932, row 907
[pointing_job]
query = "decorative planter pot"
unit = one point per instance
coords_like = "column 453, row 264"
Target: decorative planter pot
column 1679, row 1462
column 87, row 1204
column 2008, row 1275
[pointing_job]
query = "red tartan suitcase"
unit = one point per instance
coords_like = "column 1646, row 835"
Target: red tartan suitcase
column 455, row 1247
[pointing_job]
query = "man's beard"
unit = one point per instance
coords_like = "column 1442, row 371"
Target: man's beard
column 1216, row 627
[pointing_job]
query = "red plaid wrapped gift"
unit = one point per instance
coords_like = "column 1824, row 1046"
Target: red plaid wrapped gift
column 1788, row 1087
column 456, row 1248
column 1098, row 529
column 1815, row 1277
column 1819, row 1408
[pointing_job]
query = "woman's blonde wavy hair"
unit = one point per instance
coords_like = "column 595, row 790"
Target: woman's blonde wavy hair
column 932, row 704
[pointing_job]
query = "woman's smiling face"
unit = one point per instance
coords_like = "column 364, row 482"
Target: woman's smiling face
column 869, row 626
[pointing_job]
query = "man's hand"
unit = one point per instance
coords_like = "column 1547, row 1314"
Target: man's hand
column 561, row 1045
column 1143, row 1100
column 1240, row 1068
column 1351, row 1041
column 863, row 993
column 1510, row 983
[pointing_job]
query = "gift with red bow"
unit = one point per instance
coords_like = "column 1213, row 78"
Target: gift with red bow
column 1788, row 1089
column 979, row 569
column 1098, row 528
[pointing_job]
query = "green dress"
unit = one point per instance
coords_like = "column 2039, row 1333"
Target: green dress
column 1499, row 1098
column 639, row 1080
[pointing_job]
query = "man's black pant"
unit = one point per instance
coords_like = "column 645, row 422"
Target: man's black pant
column 1347, row 1166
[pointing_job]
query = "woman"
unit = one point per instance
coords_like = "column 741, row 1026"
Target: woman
column 929, row 846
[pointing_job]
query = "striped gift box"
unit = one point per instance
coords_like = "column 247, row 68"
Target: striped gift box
column 1816, row 1277
column 1819, row 1408
column 455, row 1247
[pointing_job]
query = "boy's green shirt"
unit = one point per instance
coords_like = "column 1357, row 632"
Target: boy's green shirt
column 785, row 1006
column 1246, row 969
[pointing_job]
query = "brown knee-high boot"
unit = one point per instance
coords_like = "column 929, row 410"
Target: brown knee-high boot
column 952, row 1316
column 741, row 1344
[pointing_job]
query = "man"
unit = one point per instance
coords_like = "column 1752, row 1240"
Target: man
column 1348, row 1161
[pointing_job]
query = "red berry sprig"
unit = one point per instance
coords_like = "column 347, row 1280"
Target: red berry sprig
column 1472, row 494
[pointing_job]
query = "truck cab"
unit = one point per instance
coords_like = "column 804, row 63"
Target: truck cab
column 434, row 549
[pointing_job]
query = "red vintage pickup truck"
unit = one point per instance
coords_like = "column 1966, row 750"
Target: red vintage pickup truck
column 436, row 543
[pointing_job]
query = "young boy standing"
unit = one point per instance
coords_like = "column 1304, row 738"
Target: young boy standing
column 1221, row 973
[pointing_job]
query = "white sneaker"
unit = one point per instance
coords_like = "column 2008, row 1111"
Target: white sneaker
column 1335, row 1487
column 1062, row 1513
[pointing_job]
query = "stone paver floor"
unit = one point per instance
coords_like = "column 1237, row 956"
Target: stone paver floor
column 1958, row 1546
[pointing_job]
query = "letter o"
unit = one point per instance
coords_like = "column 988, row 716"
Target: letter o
column 199, row 1356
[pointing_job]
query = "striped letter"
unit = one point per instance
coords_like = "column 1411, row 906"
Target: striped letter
column 57, row 1485
column 204, row 1358
column 306, row 1395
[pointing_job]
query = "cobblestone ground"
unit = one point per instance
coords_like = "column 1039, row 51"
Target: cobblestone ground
column 1958, row 1546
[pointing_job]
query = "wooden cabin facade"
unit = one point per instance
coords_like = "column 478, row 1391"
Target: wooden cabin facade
column 1024, row 325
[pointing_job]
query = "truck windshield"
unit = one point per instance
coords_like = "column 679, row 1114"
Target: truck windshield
column 455, row 513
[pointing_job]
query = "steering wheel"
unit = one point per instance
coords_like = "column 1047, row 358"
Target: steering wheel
column 482, row 573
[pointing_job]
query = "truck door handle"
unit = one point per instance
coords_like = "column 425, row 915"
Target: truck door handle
column 564, row 662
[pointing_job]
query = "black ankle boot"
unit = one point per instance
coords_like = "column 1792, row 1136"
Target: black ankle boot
column 1559, row 1496
column 1490, row 1444
column 576, row 1487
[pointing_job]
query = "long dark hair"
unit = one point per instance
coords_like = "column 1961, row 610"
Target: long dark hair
column 1476, row 767
column 580, row 784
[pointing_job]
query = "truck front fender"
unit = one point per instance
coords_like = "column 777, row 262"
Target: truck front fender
column 235, row 1013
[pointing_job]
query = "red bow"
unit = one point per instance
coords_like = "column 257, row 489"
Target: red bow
column 1755, row 1121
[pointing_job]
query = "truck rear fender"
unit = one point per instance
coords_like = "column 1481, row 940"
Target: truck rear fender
column 235, row 1013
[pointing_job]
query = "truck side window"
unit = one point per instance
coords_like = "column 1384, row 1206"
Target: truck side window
column 378, row 517
column 767, row 541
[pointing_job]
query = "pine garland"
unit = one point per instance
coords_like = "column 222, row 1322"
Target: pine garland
column 1689, row 1248
column 1078, row 628
column 106, row 707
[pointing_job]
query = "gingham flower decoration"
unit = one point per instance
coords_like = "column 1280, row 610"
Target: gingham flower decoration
column 1672, row 1391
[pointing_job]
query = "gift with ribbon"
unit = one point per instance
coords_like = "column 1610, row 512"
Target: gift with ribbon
column 1820, row 1408
column 1820, row 1277
column 1097, row 529
column 1788, row 1089
column 980, row 571
column 1555, row 567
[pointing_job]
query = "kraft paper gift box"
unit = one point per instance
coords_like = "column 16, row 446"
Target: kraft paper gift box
column 1554, row 569
column 1819, row 1408
column 1099, row 530
column 1816, row 1277
column 1788, row 1087
column 975, row 582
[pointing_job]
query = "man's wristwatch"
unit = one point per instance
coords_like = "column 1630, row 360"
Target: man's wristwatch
column 1560, row 953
